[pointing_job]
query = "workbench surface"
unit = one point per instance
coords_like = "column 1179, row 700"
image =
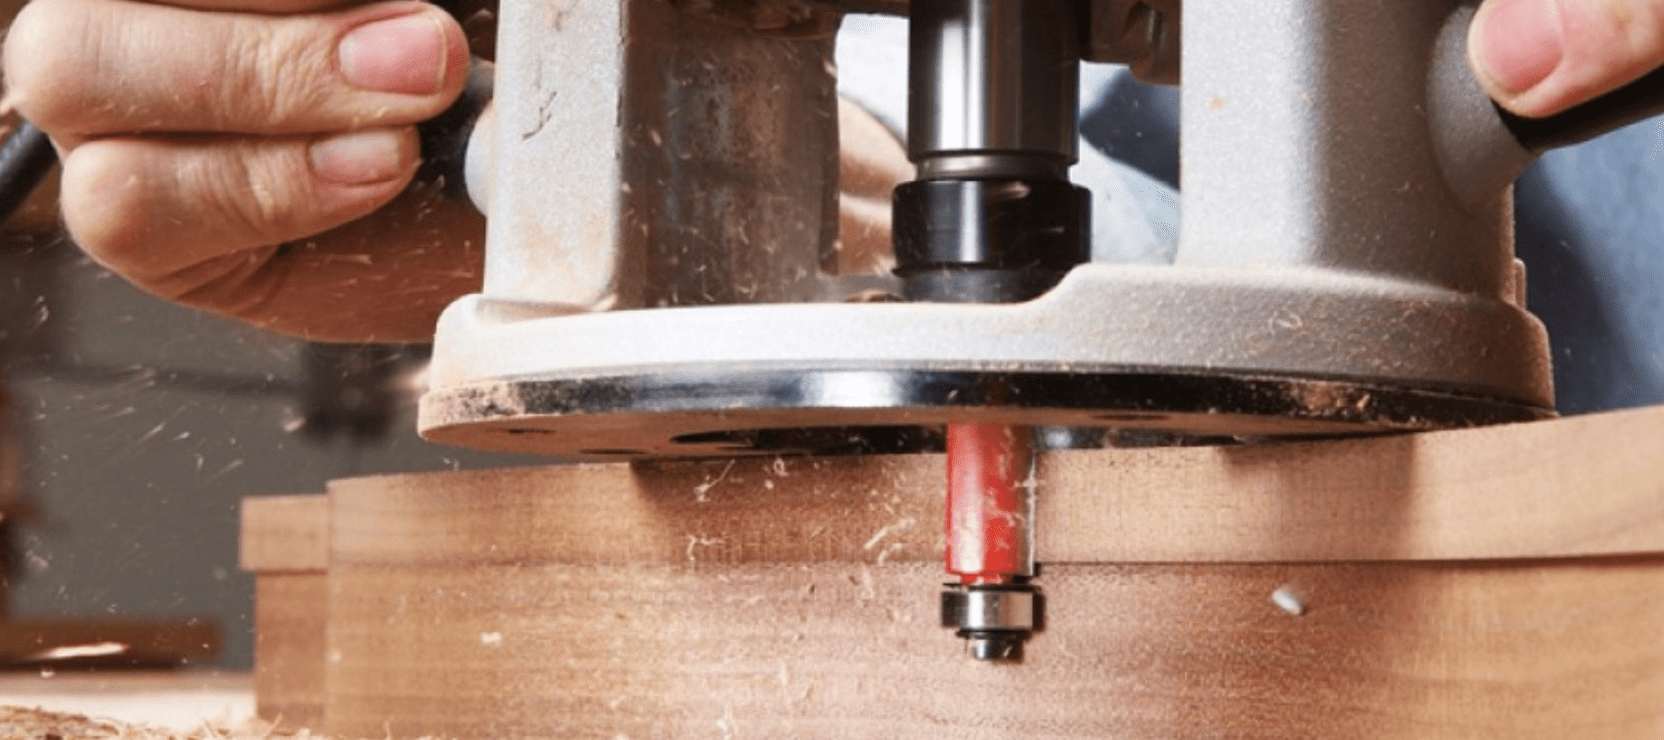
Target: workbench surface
column 182, row 700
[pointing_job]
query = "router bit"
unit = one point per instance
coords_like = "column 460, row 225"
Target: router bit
column 990, row 539
column 992, row 218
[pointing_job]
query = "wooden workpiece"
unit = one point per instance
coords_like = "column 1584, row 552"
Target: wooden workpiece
column 1491, row 583
column 285, row 543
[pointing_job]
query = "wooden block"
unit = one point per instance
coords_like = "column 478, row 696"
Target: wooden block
column 285, row 541
column 1548, row 650
column 762, row 509
column 1588, row 485
column 1582, row 485
column 291, row 617
column 285, row 533
column 1197, row 592
column 797, row 598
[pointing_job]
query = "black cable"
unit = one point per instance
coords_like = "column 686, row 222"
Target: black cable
column 1640, row 99
column 25, row 159
column 445, row 136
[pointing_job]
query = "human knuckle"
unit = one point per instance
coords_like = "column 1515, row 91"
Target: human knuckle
column 106, row 208
column 49, row 55
column 255, row 189
column 233, row 197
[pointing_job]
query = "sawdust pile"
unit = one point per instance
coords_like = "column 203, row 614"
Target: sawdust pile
column 19, row 723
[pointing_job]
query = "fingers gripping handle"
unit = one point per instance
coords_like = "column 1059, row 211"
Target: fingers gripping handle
column 1482, row 147
column 27, row 154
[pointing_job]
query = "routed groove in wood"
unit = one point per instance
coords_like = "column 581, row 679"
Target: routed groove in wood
column 1590, row 485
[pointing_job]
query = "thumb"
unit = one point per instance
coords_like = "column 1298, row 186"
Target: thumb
column 1540, row 57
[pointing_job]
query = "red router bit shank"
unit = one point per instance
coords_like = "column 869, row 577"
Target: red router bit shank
column 988, row 527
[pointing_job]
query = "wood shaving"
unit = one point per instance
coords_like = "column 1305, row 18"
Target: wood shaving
column 20, row 723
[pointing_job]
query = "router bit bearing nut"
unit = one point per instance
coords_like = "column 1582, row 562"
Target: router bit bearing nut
column 988, row 608
column 994, row 619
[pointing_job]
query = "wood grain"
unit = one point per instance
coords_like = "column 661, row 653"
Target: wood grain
column 285, row 533
column 797, row 597
column 753, row 510
column 1590, row 485
column 291, row 620
column 1550, row 650
column 1584, row 485
column 285, row 542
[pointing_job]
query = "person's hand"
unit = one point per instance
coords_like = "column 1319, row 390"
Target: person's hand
column 221, row 153
column 872, row 163
column 1540, row 57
